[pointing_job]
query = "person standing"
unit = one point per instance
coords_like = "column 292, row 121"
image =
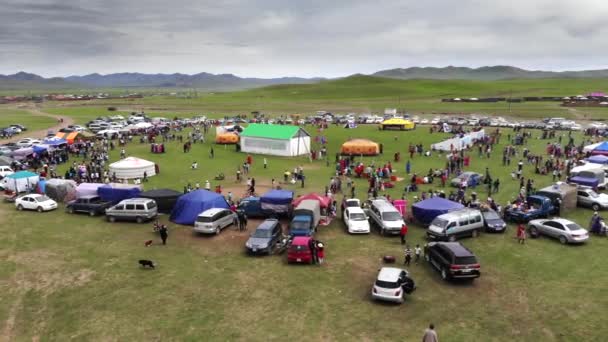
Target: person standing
column 211, row 153
column 521, row 234
column 430, row 335
column 207, row 185
column 417, row 252
column 320, row 253
column 164, row 233
column 265, row 163
column 403, row 233
column 408, row 256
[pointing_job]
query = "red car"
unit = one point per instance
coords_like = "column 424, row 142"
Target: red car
column 299, row 251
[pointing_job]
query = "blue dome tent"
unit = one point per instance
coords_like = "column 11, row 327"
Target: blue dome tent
column 190, row 205
column 426, row 211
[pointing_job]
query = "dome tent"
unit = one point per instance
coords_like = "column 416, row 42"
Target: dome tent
column 360, row 147
column 132, row 167
column 165, row 198
column 190, row 205
column 60, row 189
column 426, row 211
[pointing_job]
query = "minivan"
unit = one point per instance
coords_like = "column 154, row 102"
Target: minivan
column 455, row 224
column 385, row 216
column 133, row 209
column 212, row 221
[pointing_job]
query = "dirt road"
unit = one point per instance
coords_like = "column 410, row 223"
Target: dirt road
column 35, row 110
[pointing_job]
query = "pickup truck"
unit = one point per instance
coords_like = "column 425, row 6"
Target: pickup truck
column 540, row 207
column 93, row 205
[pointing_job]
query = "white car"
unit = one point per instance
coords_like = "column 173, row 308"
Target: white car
column 473, row 122
column 5, row 171
column 424, row 121
column 27, row 142
column 564, row 230
column 36, row 202
column 355, row 220
column 392, row 284
column 435, row 121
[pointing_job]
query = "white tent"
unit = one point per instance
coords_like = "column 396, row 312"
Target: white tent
column 132, row 167
column 277, row 140
column 591, row 147
column 21, row 181
column 459, row 142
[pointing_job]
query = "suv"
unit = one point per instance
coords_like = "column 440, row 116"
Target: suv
column 452, row 260
column 265, row 237
column 385, row 216
column 134, row 209
column 214, row 220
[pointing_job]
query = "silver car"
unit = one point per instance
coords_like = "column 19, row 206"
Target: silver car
column 564, row 230
column 586, row 197
column 212, row 221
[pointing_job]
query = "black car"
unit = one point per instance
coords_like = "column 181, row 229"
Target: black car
column 265, row 237
column 452, row 260
column 493, row 222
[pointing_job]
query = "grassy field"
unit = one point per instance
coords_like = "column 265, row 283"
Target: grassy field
column 32, row 122
column 371, row 94
column 76, row 278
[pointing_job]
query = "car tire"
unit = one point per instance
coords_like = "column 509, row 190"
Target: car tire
column 91, row 212
column 452, row 238
column 111, row 219
column 39, row 209
column 217, row 230
column 444, row 274
column 563, row 240
column 475, row 233
column 534, row 232
column 19, row 207
column 139, row 219
column 70, row 210
column 595, row 207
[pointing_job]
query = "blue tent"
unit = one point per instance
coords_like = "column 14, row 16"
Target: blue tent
column 190, row 205
column 117, row 193
column 40, row 148
column 426, row 211
column 598, row 159
column 278, row 201
column 55, row 141
column 601, row 149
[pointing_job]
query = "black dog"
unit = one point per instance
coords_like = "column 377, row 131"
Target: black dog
column 146, row 263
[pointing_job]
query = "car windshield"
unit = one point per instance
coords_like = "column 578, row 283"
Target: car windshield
column 261, row 233
column 441, row 223
column 387, row 284
column 573, row 226
column 491, row 215
column 42, row 199
column 593, row 194
column 391, row 216
column 352, row 203
column 358, row 217
column 203, row 219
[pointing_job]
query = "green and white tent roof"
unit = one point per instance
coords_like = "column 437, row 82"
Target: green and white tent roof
column 278, row 132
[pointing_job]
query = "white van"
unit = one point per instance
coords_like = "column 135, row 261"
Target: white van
column 455, row 224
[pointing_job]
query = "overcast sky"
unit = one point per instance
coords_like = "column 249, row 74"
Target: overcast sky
column 298, row 38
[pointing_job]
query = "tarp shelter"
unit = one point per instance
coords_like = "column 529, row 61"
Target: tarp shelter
column 601, row 149
column 22, row 153
column 87, row 189
column 190, row 205
column 426, row 211
column 116, row 192
column 277, row 140
column 21, row 181
column 73, row 136
column 591, row 147
column 598, row 159
column 132, row 167
column 565, row 192
column 360, row 147
column 40, row 148
column 585, row 181
column 5, row 161
column 397, row 123
column 401, row 205
column 324, row 201
column 55, row 142
column 227, row 138
column 459, row 142
column 165, row 198
column 278, row 201
column 60, row 189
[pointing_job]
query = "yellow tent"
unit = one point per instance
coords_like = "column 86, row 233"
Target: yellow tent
column 360, row 147
column 227, row 138
column 396, row 123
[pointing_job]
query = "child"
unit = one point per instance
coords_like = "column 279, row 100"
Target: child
column 408, row 256
column 418, row 252
column 320, row 253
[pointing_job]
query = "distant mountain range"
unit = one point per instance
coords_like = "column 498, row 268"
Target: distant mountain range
column 228, row 82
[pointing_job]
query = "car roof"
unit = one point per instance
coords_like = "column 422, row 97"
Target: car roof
column 267, row 224
column 457, row 249
column 301, row 240
column 389, row 273
column 561, row 220
column 135, row 200
column 211, row 212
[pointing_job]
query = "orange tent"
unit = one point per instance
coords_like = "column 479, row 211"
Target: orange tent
column 226, row 138
column 72, row 136
column 360, row 147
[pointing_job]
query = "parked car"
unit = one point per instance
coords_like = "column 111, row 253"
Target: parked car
column 564, row 230
column 493, row 222
column 299, row 250
column 385, row 217
column 467, row 179
column 392, row 284
column 356, row 221
column 133, row 209
column 36, row 202
column 93, row 205
column 455, row 224
column 212, row 221
column 586, row 197
column 5, row 171
column 452, row 260
column 21, row 127
column 265, row 237
column 350, row 202
column 5, row 150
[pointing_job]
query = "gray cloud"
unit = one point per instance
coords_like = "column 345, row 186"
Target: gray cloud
column 267, row 38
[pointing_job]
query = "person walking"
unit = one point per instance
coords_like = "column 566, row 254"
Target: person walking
column 265, row 163
column 521, row 233
column 403, row 233
column 164, row 233
column 211, row 153
column 418, row 253
column 430, row 335
column 243, row 223
column 408, row 256
column 207, row 185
